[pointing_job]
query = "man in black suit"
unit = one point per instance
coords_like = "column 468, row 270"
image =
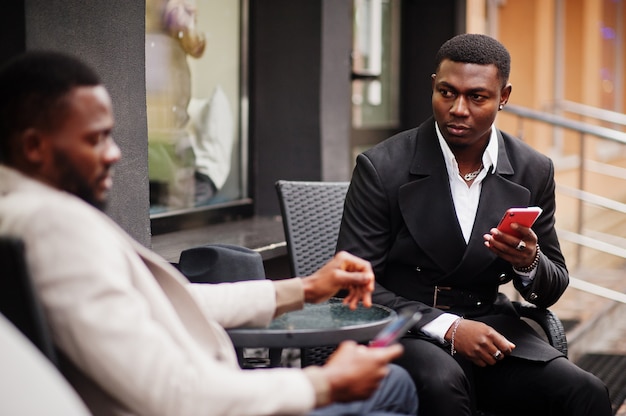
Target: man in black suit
column 422, row 208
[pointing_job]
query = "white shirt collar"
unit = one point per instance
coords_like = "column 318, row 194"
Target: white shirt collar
column 490, row 156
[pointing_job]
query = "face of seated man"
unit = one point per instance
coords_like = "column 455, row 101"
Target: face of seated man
column 78, row 153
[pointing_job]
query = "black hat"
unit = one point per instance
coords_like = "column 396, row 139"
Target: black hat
column 218, row 263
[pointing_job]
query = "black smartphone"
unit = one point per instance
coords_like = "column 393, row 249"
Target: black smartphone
column 395, row 329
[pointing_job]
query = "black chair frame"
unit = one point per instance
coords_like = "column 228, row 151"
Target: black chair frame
column 18, row 301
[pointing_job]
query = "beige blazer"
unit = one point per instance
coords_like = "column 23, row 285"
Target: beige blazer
column 139, row 338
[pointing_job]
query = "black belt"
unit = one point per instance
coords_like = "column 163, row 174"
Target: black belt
column 447, row 297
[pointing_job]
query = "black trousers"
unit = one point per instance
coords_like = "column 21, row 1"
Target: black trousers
column 453, row 386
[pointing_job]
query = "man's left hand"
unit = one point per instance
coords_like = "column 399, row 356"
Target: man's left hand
column 520, row 252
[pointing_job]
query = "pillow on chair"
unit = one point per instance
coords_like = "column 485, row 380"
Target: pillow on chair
column 218, row 263
column 30, row 383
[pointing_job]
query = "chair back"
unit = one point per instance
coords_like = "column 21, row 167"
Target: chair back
column 30, row 383
column 18, row 302
column 311, row 213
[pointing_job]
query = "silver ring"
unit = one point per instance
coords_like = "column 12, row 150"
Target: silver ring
column 520, row 246
column 497, row 355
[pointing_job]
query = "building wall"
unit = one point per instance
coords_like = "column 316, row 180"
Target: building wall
column 426, row 25
column 300, row 96
column 299, row 93
column 301, row 85
column 109, row 35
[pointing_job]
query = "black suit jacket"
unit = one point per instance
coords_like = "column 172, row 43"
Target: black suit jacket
column 400, row 216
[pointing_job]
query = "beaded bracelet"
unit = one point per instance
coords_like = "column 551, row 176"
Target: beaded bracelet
column 532, row 266
column 454, row 328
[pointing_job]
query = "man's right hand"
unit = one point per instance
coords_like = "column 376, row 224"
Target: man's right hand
column 343, row 271
column 355, row 371
column 480, row 343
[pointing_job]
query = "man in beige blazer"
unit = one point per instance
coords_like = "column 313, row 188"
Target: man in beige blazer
column 136, row 336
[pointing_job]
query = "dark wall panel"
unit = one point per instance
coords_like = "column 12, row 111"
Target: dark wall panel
column 12, row 29
column 285, row 102
column 109, row 35
column 425, row 26
column 300, row 93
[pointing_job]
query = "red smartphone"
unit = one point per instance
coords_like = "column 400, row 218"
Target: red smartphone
column 523, row 216
column 395, row 329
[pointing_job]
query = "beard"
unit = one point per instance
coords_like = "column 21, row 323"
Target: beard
column 71, row 180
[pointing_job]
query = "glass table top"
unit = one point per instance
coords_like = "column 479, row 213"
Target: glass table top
column 329, row 315
column 326, row 323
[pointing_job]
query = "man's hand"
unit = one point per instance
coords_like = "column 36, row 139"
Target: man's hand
column 480, row 343
column 355, row 371
column 506, row 246
column 344, row 271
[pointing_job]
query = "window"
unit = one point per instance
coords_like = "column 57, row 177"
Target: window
column 375, row 73
column 375, row 61
column 196, row 95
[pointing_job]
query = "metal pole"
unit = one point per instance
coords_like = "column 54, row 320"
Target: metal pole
column 581, row 184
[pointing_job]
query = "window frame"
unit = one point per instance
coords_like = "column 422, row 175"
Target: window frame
column 194, row 217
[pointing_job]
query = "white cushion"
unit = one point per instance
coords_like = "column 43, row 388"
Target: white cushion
column 29, row 383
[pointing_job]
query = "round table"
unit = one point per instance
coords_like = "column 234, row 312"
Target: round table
column 322, row 324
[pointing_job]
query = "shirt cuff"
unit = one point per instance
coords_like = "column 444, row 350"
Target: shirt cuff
column 321, row 386
column 526, row 278
column 289, row 295
column 438, row 327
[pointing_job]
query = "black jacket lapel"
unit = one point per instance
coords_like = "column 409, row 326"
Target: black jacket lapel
column 426, row 203
column 427, row 207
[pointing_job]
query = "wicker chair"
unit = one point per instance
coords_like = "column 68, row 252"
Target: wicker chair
column 312, row 212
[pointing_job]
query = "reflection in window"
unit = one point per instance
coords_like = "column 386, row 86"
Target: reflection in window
column 375, row 63
column 193, row 95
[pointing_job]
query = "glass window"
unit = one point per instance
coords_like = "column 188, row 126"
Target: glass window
column 375, row 63
column 196, row 125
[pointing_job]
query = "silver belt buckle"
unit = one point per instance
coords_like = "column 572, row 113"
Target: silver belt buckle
column 435, row 293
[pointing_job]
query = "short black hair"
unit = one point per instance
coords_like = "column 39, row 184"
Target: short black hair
column 478, row 49
column 33, row 87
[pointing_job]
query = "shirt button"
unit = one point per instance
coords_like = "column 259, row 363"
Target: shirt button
column 418, row 269
column 533, row 296
column 502, row 277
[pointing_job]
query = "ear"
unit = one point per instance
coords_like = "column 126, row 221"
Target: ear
column 505, row 94
column 32, row 146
